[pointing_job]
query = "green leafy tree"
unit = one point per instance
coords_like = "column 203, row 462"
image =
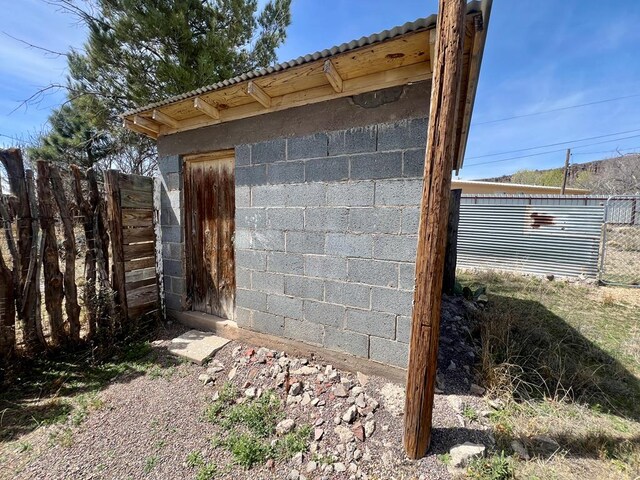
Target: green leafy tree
column 140, row 51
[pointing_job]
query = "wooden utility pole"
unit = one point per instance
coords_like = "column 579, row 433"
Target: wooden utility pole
column 566, row 172
column 432, row 232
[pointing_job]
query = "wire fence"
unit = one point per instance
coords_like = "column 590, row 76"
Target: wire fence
column 620, row 254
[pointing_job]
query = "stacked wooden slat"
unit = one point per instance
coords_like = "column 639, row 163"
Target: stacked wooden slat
column 131, row 205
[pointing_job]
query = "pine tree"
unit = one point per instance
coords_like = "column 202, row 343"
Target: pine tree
column 140, row 51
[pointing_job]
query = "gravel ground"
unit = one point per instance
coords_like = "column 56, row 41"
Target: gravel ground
column 149, row 423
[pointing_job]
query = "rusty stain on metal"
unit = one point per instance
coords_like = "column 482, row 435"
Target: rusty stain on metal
column 539, row 220
column 209, row 195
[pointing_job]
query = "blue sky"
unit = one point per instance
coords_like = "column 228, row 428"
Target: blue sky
column 540, row 55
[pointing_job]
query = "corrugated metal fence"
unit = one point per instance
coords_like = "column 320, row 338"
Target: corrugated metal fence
column 558, row 235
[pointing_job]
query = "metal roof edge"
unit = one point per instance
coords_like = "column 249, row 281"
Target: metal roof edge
column 424, row 23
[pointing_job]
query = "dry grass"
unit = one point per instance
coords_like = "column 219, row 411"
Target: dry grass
column 565, row 360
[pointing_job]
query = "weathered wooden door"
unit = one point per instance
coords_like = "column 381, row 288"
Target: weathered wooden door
column 209, row 206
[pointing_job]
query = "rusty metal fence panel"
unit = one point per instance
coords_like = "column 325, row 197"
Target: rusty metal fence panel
column 508, row 233
column 620, row 260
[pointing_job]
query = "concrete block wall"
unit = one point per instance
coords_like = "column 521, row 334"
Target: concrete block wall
column 326, row 239
column 171, row 230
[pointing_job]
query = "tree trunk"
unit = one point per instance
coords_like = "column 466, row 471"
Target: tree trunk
column 53, row 287
column 70, row 290
column 89, row 292
column 25, row 290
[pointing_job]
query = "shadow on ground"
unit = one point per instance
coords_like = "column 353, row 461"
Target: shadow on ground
column 537, row 355
column 42, row 391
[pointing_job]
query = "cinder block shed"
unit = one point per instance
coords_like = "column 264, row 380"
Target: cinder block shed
column 290, row 194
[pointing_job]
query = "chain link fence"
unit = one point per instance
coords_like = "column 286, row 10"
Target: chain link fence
column 620, row 255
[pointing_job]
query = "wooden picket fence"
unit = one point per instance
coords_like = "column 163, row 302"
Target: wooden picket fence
column 77, row 257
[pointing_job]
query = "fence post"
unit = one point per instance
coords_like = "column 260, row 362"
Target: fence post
column 451, row 254
column 114, row 215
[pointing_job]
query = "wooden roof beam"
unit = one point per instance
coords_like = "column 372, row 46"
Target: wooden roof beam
column 333, row 76
column 206, row 108
column 165, row 119
column 147, row 124
column 258, row 94
column 140, row 129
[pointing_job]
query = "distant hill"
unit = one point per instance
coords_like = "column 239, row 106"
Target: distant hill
column 610, row 176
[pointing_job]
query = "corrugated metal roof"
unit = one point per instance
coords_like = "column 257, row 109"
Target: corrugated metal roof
column 409, row 27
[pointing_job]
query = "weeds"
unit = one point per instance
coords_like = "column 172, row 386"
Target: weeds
column 247, row 449
column 469, row 413
column 444, row 458
column 207, row 472
column 226, row 396
column 24, row 447
column 194, row 459
column 292, row 443
column 150, row 463
column 260, row 416
column 495, row 467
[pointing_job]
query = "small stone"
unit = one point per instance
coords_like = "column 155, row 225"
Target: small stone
column 373, row 404
column 462, row 454
column 353, row 468
column 476, row 389
column 340, row 391
column 350, row 415
column 337, row 420
column 293, row 475
column 369, row 428
column 236, row 351
column 294, row 399
column 357, row 454
column 232, row 373
column 295, row 389
column 452, row 366
column 215, row 367
column 317, row 434
column 270, row 464
column 319, row 422
column 280, row 379
column 360, row 401
column 355, row 391
column 283, row 361
column 520, row 450
column 251, row 392
column 297, row 459
column 546, row 444
column 306, row 370
column 215, row 396
column 314, row 402
column 306, row 399
column 358, row 431
column 285, row 426
column 339, row 467
column 205, row 378
column 344, row 434
column 311, row 466
column 328, row 468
